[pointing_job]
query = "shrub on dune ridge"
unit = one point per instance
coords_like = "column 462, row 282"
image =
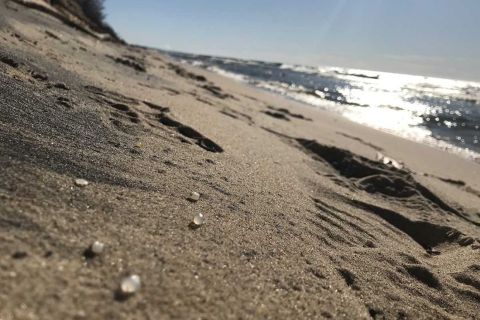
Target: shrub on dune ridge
column 93, row 10
column 90, row 11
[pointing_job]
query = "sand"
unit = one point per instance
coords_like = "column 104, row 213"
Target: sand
column 301, row 219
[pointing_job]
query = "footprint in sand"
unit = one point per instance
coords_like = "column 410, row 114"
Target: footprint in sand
column 191, row 133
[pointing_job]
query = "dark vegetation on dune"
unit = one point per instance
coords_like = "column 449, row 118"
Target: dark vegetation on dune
column 90, row 11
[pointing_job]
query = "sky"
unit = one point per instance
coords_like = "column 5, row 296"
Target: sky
column 424, row 37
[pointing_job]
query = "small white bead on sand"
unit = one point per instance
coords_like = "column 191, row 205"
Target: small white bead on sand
column 97, row 247
column 81, row 182
column 194, row 196
column 199, row 219
column 389, row 161
column 130, row 284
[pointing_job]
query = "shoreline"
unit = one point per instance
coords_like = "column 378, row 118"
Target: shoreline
column 424, row 135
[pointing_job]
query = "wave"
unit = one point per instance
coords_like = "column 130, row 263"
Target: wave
column 228, row 74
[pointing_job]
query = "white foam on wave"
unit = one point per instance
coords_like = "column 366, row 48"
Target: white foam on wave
column 197, row 63
column 228, row 74
column 299, row 68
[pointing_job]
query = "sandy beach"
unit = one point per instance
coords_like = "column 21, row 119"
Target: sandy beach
column 307, row 215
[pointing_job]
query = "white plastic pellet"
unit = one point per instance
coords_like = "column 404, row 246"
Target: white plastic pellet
column 194, row 196
column 130, row 284
column 199, row 219
column 97, row 247
column 81, row 182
